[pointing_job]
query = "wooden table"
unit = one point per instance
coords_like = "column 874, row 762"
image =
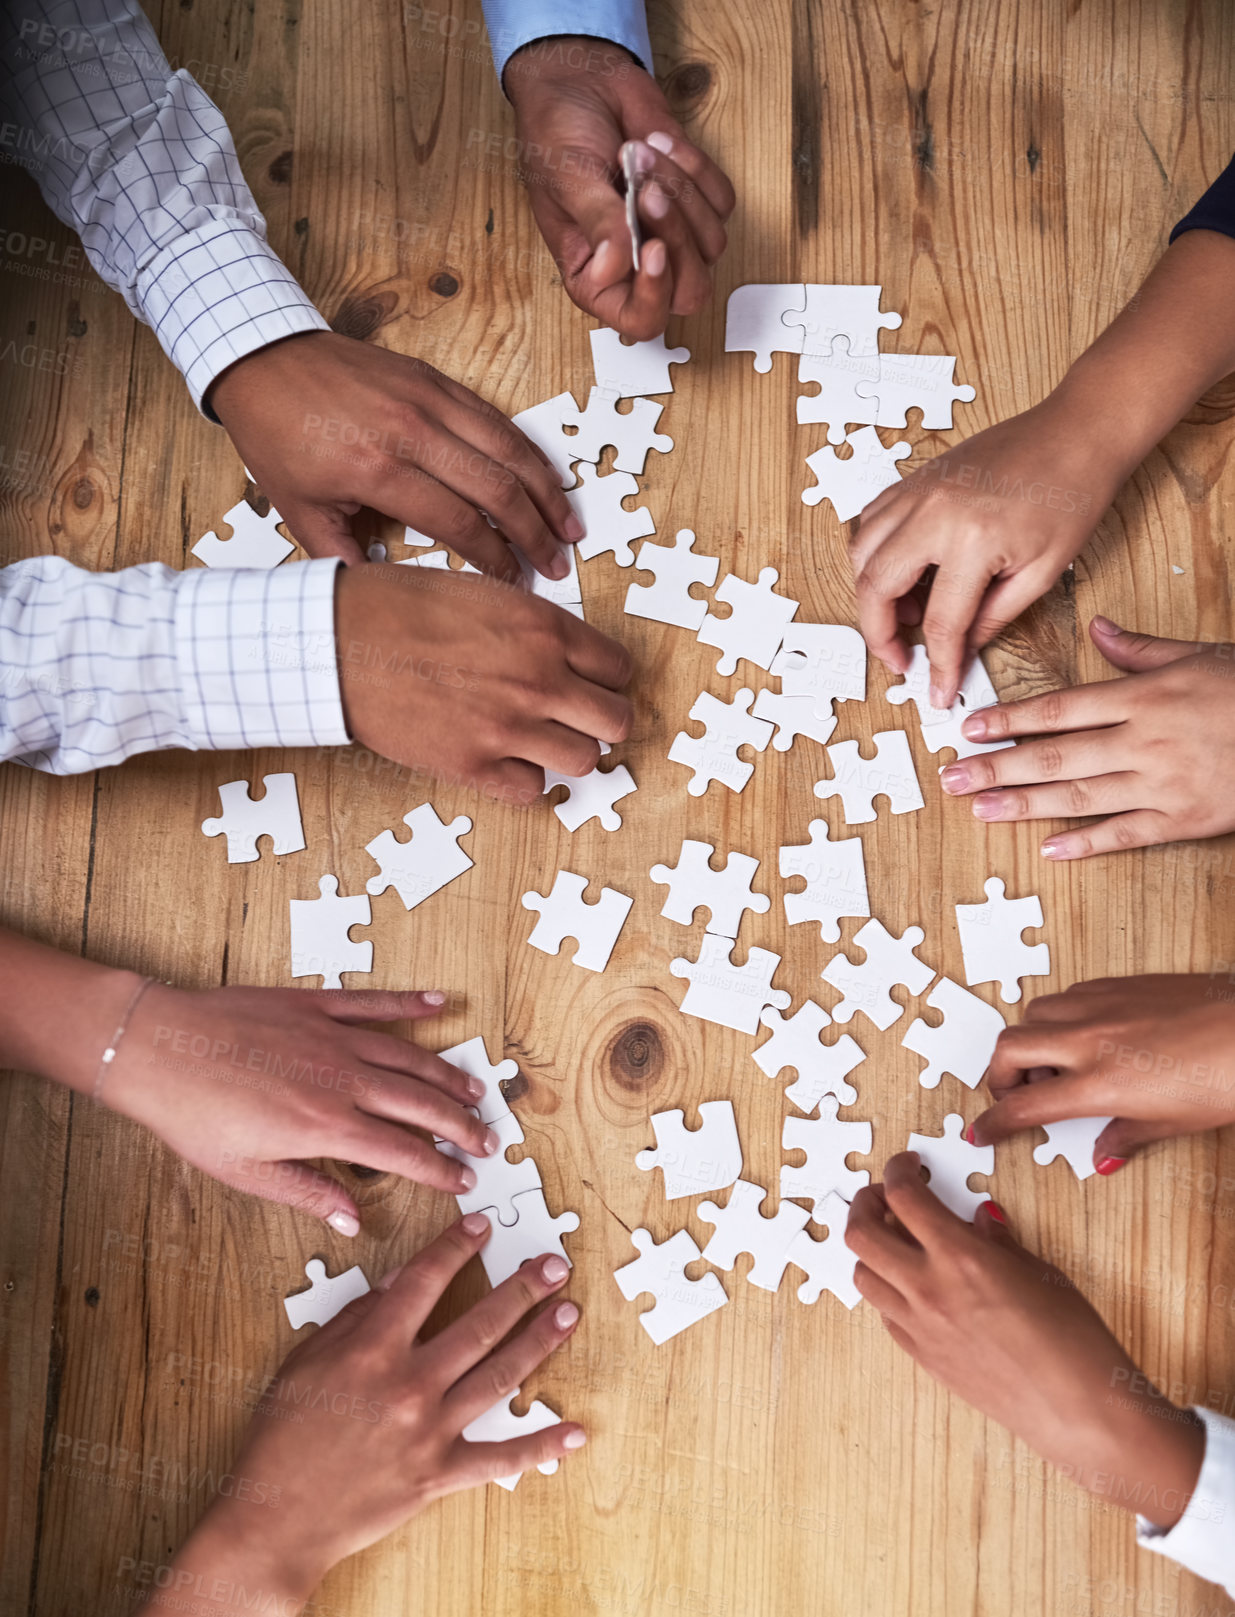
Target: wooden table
column 1009, row 172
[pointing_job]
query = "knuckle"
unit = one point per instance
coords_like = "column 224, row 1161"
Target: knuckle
column 1050, row 708
column 1050, row 760
column 1079, row 796
column 1126, row 832
column 483, row 1332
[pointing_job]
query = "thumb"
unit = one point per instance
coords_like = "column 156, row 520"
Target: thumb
column 293, row 1184
column 1123, row 1137
column 1136, row 653
column 991, row 1223
column 323, row 531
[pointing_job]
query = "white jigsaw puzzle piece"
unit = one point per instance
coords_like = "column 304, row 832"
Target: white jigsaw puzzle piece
column 255, row 541
column 499, row 1181
column 627, row 370
column 543, row 424
column 821, row 1068
column 592, row 796
column 851, row 312
column 714, row 755
column 563, row 592
column 327, row 1295
column 320, row 926
column 597, row 502
column 828, row 1264
column 793, row 716
column 889, row 960
column 754, row 321
column 729, row 995
column 963, row 1043
column 913, row 382
column 950, row 1159
column 755, row 627
column 823, row 661
column 275, row 815
column 725, row 893
column 500, row 1424
column 695, row 1160
column 660, row 1269
column 422, row 866
column 564, row 913
column 741, row 1227
column 857, row 781
column 472, row 1057
column 852, row 484
column 631, row 432
column 835, row 876
column 675, row 568
column 827, row 1140
column 1073, row 1139
column 838, row 402
column 533, row 1233
column 992, row 948
column 941, row 727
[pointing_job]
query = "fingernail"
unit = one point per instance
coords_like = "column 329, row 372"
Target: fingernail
column 969, row 1135
column 559, row 567
column 996, row 1212
column 475, row 1089
column 954, row 778
column 1053, row 850
column 939, row 697
column 1105, row 626
column 467, row 1178
column 974, row 726
column 346, row 1223
column 654, row 258
column 491, row 1142
column 1110, row 1165
column 388, row 1279
column 565, row 1315
column 574, row 1440
column 555, row 1269
column 655, row 202
column 645, row 161
column 475, row 1223
column 988, row 806
column 434, row 996
column 661, row 142
column 573, row 528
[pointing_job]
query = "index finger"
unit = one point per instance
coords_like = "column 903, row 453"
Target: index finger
column 916, row 1205
column 1050, row 1100
column 597, row 657
column 712, row 180
column 415, row 1290
column 950, row 612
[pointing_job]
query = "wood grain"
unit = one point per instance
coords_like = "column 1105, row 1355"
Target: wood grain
column 1008, row 171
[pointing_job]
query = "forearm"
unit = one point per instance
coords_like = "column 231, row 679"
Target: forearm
column 58, row 1012
column 1173, row 342
column 232, row 1562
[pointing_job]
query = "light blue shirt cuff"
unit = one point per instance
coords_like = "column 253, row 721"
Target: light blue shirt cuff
column 515, row 23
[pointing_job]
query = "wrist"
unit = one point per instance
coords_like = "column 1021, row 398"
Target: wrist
column 59, row 1012
column 233, row 1562
column 1149, row 1453
column 558, row 58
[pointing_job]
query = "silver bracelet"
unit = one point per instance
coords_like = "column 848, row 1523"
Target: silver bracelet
column 109, row 1055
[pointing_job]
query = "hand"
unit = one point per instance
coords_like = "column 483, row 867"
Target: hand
column 380, row 1415
column 1152, row 1053
column 327, row 424
column 999, row 517
column 573, row 121
column 474, row 681
column 248, row 1083
column 1155, row 753
column 1013, row 1337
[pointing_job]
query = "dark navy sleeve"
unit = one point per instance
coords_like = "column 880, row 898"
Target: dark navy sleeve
column 1215, row 210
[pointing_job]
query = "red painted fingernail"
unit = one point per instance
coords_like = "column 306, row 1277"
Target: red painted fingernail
column 996, row 1212
column 969, row 1135
column 1110, row 1165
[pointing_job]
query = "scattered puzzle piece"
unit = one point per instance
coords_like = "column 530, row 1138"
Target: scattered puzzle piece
column 756, row 623
column 597, row 502
column 741, row 1227
column 327, row 1295
column 851, row 312
column 592, row 796
column 564, row 913
column 991, row 945
column 695, row 1160
column 838, row 401
column 964, row 1041
column 1073, row 1139
column 533, row 1233
column 829, row 1264
column 321, row 946
column 500, row 1424
column 714, row 755
column 660, row 1269
column 675, row 567
column 941, row 727
column 275, row 815
column 827, row 1140
column 835, row 875
column 627, row 370
column 913, row 382
column 888, row 960
column 821, row 1068
column 543, row 424
column 794, row 716
column 422, row 866
column 255, row 541
column 732, row 996
column 754, row 321
column 694, row 885
column 950, row 1159
column 853, row 483
column 631, row 432
column 823, row 661
column 858, row 781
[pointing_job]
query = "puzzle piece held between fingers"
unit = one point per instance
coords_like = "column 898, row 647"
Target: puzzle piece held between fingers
column 821, row 1068
column 500, row 1424
column 755, row 323
column 889, row 960
column 326, row 1296
column 597, row 502
column 941, row 727
column 631, row 432
column 992, row 948
column 533, row 1233
column 827, row 1140
column 422, row 866
column 472, row 1057
column 275, row 815
column 950, row 1159
column 756, row 623
column 565, row 913
column 660, row 1269
column 320, row 927
column 963, row 1043
column 732, row 996
column 592, row 796
column 1073, row 1139
column 858, row 781
column 675, row 567
column 714, row 755
column 829, row 1264
column 835, row 874
column 694, row 885
column 255, row 541
column 543, row 424
column 852, row 484
column 627, row 370
column 741, row 1227
column 695, row 1160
